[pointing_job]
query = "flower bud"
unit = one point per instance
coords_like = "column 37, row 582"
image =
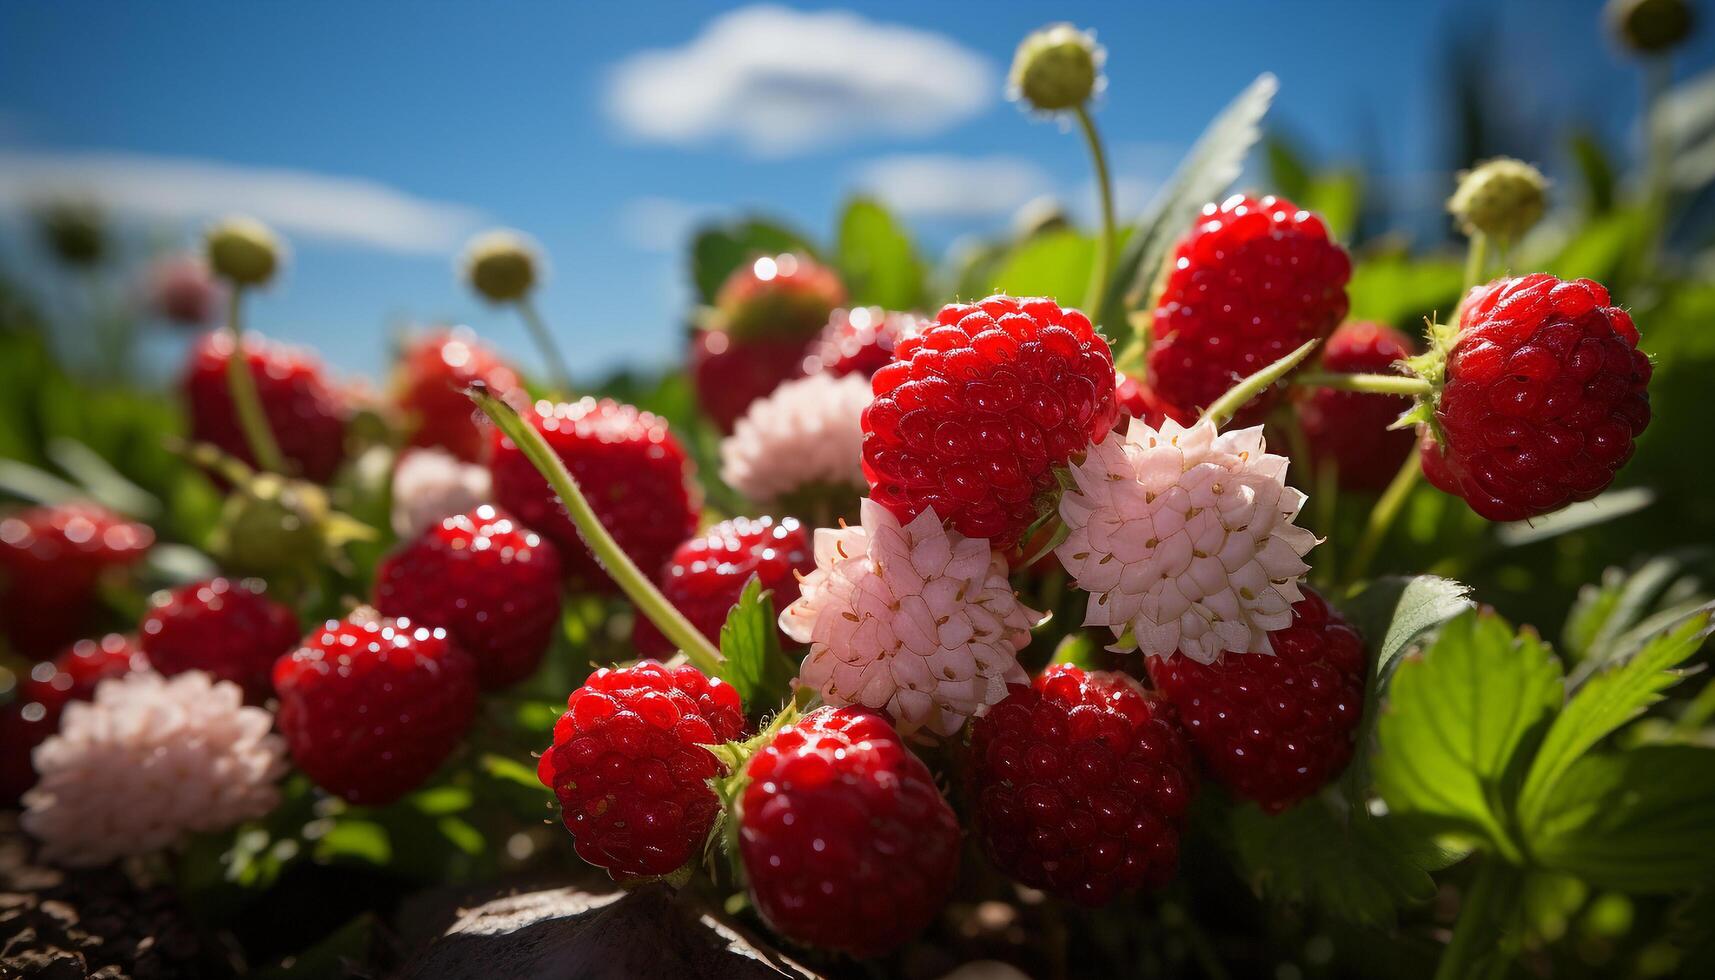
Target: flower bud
column 1650, row 26
column 1056, row 68
column 74, row 231
column 1502, row 198
column 243, row 250
column 501, row 265
column 272, row 526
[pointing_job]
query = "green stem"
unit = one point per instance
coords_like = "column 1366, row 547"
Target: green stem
column 619, row 566
column 1381, row 519
column 1222, row 410
column 557, row 369
column 1096, row 296
column 1374, row 384
column 1476, row 260
column 245, row 400
column 1485, row 904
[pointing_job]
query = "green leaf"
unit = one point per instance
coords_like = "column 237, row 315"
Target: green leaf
column 716, row 251
column 1610, row 506
column 508, row 769
column 1394, row 288
column 1642, row 820
column 1604, row 615
column 1448, row 743
column 877, row 260
column 355, row 840
column 1607, row 701
column 1055, row 264
column 750, row 647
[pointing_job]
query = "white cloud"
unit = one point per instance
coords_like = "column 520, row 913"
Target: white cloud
column 661, row 224
column 780, row 82
column 944, row 186
column 300, row 203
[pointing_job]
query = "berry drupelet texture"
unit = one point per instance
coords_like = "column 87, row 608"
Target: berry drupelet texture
column 1349, row 429
column 224, row 626
column 34, row 712
column 1274, row 729
column 304, row 410
column 433, row 372
column 1079, row 784
column 630, row 769
column 860, row 340
column 707, row 573
column 976, row 411
column 51, row 560
column 730, row 373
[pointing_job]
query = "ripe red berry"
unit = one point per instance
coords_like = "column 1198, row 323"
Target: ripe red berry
column 51, row 559
column 432, row 375
column 305, row 413
column 728, row 373
column 1545, row 392
column 1080, row 782
column 707, row 573
column 371, row 706
column 630, row 769
column 786, row 295
column 633, row 471
column 223, row 626
column 974, row 414
column 1252, row 281
column 181, row 289
column 493, row 584
column 846, row 841
column 1349, row 429
column 860, row 340
column 1137, row 400
column 1274, row 728
column 34, row 712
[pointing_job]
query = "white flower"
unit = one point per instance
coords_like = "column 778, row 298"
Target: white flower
column 808, row 432
column 431, row 484
column 1185, row 536
column 917, row 621
column 149, row 760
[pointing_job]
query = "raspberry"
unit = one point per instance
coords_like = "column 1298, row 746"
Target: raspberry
column 629, row 765
column 847, row 843
column 1350, row 429
column 491, row 583
column 628, row 464
column 707, row 573
column 34, row 713
column 1080, row 783
column 1545, row 390
column 1137, row 400
column 1252, row 281
column 432, row 375
column 51, row 559
column 304, row 411
column 729, row 373
column 974, row 414
column 778, row 296
column 225, row 627
column 371, row 706
column 859, row 341
column 1274, row 729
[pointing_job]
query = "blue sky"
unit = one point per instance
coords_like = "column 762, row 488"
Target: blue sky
column 379, row 135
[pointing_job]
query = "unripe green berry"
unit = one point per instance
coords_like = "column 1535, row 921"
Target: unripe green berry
column 1056, row 68
column 1502, row 198
column 273, row 526
column 1650, row 26
column 243, row 250
column 501, row 265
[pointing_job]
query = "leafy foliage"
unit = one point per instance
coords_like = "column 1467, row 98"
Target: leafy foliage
column 754, row 664
column 877, row 260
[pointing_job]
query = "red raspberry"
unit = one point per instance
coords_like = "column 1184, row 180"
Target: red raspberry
column 629, row 765
column 1349, row 429
column 225, row 627
column 707, row 573
column 729, row 373
column 371, row 706
column 974, row 414
column 628, row 464
column 433, row 373
column 778, row 296
column 1545, row 391
column 51, row 559
column 847, row 843
column 34, row 713
column 1137, row 400
column 181, row 289
column 1252, row 281
column 859, row 341
column 490, row 582
column 1080, row 783
column 305, row 412
column 1275, row 729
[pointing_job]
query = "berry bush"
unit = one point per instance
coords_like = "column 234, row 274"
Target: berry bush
column 1232, row 591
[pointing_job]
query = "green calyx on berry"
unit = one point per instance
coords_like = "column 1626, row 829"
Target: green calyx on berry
column 243, row 250
column 1056, row 68
column 1502, row 198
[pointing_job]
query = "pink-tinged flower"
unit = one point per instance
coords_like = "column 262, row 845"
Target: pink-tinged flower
column 1184, row 537
column 430, row 485
column 914, row 620
column 181, row 289
column 807, row 434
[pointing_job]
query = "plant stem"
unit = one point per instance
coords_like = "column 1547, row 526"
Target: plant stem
column 1381, row 519
column 557, row 369
column 1222, row 410
column 1483, row 907
column 636, row 585
column 1402, row 385
column 245, row 400
column 1096, row 296
column 1476, row 260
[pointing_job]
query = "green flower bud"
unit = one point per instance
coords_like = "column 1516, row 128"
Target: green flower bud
column 1056, row 68
column 1502, row 198
column 1650, row 26
column 501, row 265
column 244, row 251
column 74, row 231
column 273, row 526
